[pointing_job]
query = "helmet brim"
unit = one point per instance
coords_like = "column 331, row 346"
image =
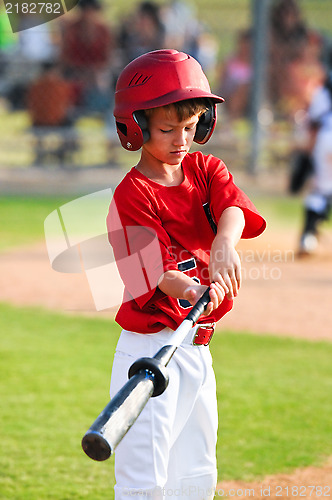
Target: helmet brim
column 180, row 95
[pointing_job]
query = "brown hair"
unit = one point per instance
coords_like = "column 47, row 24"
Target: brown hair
column 184, row 109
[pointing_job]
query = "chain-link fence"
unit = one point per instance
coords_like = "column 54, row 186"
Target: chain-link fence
column 57, row 79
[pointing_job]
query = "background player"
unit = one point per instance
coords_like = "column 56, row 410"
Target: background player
column 318, row 202
column 163, row 103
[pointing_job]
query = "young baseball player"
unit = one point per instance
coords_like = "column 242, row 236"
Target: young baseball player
column 318, row 202
column 189, row 205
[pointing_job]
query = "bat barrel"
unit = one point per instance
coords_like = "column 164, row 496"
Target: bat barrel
column 118, row 416
column 96, row 446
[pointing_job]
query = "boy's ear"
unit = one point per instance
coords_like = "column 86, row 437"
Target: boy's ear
column 142, row 122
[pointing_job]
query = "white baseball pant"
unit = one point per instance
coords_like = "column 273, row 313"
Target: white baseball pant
column 170, row 452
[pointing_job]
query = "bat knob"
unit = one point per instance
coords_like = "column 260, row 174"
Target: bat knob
column 96, row 446
column 160, row 379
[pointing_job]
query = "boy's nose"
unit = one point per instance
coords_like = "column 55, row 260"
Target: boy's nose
column 180, row 138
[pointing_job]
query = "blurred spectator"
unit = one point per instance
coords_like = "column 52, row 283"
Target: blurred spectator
column 85, row 55
column 50, row 107
column 181, row 26
column 50, row 98
column 288, row 28
column 36, row 43
column 207, row 51
column 295, row 68
column 235, row 78
column 35, row 46
column 184, row 32
column 305, row 73
column 141, row 32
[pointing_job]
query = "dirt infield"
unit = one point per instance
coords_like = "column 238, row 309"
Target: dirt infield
column 281, row 294
column 310, row 482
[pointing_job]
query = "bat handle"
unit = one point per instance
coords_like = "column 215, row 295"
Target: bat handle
column 199, row 307
column 157, row 364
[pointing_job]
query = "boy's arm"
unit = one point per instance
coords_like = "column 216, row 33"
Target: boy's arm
column 225, row 264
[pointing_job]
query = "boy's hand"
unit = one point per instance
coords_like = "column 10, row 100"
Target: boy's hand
column 225, row 266
column 217, row 295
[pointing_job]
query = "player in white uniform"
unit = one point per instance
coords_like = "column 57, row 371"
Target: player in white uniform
column 318, row 201
column 180, row 197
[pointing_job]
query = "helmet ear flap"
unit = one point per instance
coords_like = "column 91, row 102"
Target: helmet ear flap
column 141, row 119
column 206, row 124
column 130, row 133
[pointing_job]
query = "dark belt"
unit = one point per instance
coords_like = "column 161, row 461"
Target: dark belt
column 204, row 334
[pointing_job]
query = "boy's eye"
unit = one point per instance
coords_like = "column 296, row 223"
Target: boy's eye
column 170, row 130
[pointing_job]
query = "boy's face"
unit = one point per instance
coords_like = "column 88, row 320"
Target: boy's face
column 170, row 140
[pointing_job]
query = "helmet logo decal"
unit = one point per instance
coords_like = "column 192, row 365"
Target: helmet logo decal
column 138, row 79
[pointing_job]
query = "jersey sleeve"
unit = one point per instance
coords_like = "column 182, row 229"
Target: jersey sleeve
column 141, row 246
column 224, row 193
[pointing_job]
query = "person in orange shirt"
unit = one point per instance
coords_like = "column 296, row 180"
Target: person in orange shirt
column 50, row 98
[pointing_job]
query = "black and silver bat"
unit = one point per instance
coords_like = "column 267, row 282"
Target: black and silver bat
column 147, row 378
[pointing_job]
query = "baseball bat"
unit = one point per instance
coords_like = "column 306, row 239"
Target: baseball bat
column 147, row 378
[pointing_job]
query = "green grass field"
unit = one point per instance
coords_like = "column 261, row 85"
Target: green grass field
column 54, row 377
column 22, row 219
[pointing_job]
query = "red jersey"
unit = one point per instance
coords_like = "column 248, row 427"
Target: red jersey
column 181, row 219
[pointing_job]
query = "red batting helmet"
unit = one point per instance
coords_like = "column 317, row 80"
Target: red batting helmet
column 156, row 79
